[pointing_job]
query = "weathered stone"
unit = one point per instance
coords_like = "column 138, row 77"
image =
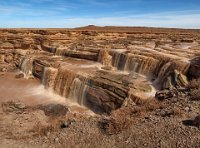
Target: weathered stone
column 48, row 48
column 180, row 79
column 54, row 110
column 129, row 62
column 100, row 100
column 81, row 55
column 18, row 76
column 106, row 67
column 20, row 105
column 186, row 109
column 67, row 123
column 38, row 68
column 105, row 58
column 164, row 94
column 175, row 80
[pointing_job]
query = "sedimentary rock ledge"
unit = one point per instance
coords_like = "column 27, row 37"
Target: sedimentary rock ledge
column 100, row 68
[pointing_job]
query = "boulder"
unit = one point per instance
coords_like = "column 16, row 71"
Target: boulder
column 55, row 110
column 175, row 80
column 67, row 123
column 180, row 79
column 164, row 94
column 18, row 76
column 168, row 83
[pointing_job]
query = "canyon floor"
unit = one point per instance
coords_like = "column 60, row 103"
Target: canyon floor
column 100, row 87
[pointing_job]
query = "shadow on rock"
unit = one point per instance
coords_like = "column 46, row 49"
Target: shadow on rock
column 195, row 122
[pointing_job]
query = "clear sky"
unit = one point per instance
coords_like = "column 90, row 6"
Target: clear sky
column 75, row 13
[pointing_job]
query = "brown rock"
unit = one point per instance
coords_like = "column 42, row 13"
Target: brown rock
column 81, row 54
column 18, row 76
column 105, row 58
column 164, row 94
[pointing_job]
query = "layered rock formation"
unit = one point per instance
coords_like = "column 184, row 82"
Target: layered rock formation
column 101, row 69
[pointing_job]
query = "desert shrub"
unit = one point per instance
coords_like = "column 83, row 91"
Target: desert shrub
column 194, row 84
column 40, row 130
column 152, row 104
column 118, row 121
column 121, row 119
column 43, row 130
column 195, row 94
column 194, row 89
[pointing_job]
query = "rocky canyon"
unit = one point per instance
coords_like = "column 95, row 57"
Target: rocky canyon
column 100, row 86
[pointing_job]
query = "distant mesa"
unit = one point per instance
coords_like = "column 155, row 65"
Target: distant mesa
column 90, row 27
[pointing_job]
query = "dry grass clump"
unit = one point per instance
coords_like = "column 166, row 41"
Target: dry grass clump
column 41, row 130
column 153, row 104
column 121, row 119
column 118, row 121
column 195, row 94
column 194, row 87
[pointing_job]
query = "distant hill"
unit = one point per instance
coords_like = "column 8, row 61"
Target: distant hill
column 134, row 29
column 126, row 29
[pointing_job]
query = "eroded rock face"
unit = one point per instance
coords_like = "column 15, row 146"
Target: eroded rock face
column 102, row 69
column 175, row 80
column 105, row 58
column 9, row 59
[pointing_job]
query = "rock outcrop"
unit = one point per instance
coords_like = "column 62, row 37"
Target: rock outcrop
column 102, row 69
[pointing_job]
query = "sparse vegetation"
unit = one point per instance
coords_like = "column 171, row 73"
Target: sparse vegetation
column 124, row 117
column 118, row 121
column 41, row 130
column 194, row 87
column 194, row 84
column 195, row 94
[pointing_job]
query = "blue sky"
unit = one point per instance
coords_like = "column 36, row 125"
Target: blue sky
column 75, row 13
